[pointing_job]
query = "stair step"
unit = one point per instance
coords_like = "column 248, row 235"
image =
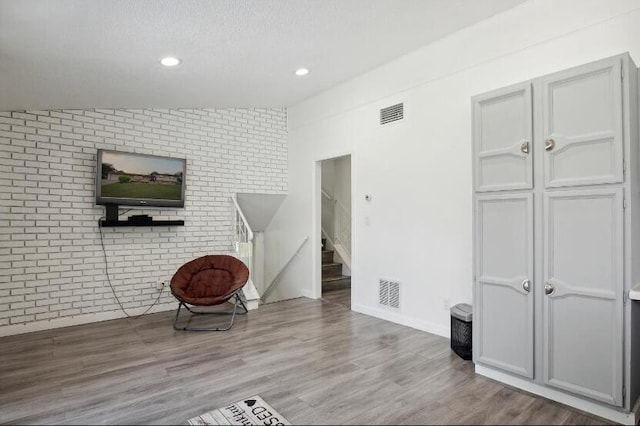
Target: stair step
column 331, row 270
column 336, row 278
column 335, row 283
column 327, row 256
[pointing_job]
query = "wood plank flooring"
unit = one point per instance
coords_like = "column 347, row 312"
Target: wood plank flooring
column 340, row 296
column 314, row 361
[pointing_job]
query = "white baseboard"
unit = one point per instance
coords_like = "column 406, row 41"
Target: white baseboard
column 9, row 330
column 403, row 320
column 308, row 294
column 554, row 395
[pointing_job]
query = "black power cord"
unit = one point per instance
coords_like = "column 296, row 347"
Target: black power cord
column 106, row 266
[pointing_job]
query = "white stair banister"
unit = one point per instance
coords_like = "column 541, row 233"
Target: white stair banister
column 243, row 247
column 342, row 237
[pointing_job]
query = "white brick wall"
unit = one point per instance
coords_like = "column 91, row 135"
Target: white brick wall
column 51, row 261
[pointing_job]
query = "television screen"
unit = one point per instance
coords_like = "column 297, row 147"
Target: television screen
column 131, row 179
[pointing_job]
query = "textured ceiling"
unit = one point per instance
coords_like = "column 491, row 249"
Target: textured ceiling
column 236, row 53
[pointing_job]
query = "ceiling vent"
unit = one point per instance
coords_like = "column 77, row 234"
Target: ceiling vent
column 391, row 114
column 389, row 292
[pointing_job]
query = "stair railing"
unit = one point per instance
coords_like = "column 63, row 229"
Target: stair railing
column 243, row 245
column 343, row 227
column 276, row 280
column 243, row 230
column 243, row 238
column 326, row 194
column 328, row 235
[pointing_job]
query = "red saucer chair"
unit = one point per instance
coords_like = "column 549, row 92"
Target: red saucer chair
column 208, row 281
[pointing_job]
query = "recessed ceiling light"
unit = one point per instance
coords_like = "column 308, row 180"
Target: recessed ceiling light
column 302, row 71
column 170, row 61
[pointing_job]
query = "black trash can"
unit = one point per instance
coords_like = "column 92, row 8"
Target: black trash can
column 461, row 320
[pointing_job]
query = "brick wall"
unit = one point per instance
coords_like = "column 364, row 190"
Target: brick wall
column 51, row 261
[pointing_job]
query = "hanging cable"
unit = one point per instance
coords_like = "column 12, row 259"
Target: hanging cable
column 106, row 265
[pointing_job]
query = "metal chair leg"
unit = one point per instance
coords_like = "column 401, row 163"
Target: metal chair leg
column 238, row 301
column 175, row 321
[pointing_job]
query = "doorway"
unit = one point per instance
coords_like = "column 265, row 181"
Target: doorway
column 335, row 231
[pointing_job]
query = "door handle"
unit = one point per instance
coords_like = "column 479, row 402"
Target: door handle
column 524, row 147
column 549, row 144
column 548, row 288
column 526, row 285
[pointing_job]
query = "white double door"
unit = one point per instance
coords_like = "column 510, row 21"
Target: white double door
column 575, row 211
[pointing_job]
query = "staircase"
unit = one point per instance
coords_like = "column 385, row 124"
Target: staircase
column 332, row 278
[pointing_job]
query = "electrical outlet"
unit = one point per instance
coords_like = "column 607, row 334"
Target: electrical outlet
column 160, row 285
column 446, row 303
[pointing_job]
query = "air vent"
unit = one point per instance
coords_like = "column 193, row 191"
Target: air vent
column 391, row 114
column 389, row 293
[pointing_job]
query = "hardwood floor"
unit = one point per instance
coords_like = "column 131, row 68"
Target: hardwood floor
column 314, row 361
column 340, row 296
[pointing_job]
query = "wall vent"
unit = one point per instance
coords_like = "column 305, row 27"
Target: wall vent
column 389, row 293
column 391, row 114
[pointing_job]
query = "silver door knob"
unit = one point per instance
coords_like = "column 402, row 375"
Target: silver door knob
column 549, row 144
column 524, row 147
column 526, row 285
column 548, row 288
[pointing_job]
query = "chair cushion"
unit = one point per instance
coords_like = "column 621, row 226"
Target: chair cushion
column 209, row 280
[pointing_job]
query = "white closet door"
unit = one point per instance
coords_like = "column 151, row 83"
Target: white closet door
column 582, row 118
column 502, row 139
column 583, row 306
column 503, row 317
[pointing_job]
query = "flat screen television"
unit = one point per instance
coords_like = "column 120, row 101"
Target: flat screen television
column 125, row 178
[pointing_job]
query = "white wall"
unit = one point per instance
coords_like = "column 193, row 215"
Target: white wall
column 342, row 186
column 342, row 213
column 417, row 228
column 52, row 270
column 328, row 187
column 336, row 182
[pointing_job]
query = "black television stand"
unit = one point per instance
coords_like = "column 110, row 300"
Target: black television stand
column 112, row 219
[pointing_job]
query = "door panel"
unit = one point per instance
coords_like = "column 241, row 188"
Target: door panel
column 504, row 262
column 582, row 119
column 502, row 139
column 582, row 320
